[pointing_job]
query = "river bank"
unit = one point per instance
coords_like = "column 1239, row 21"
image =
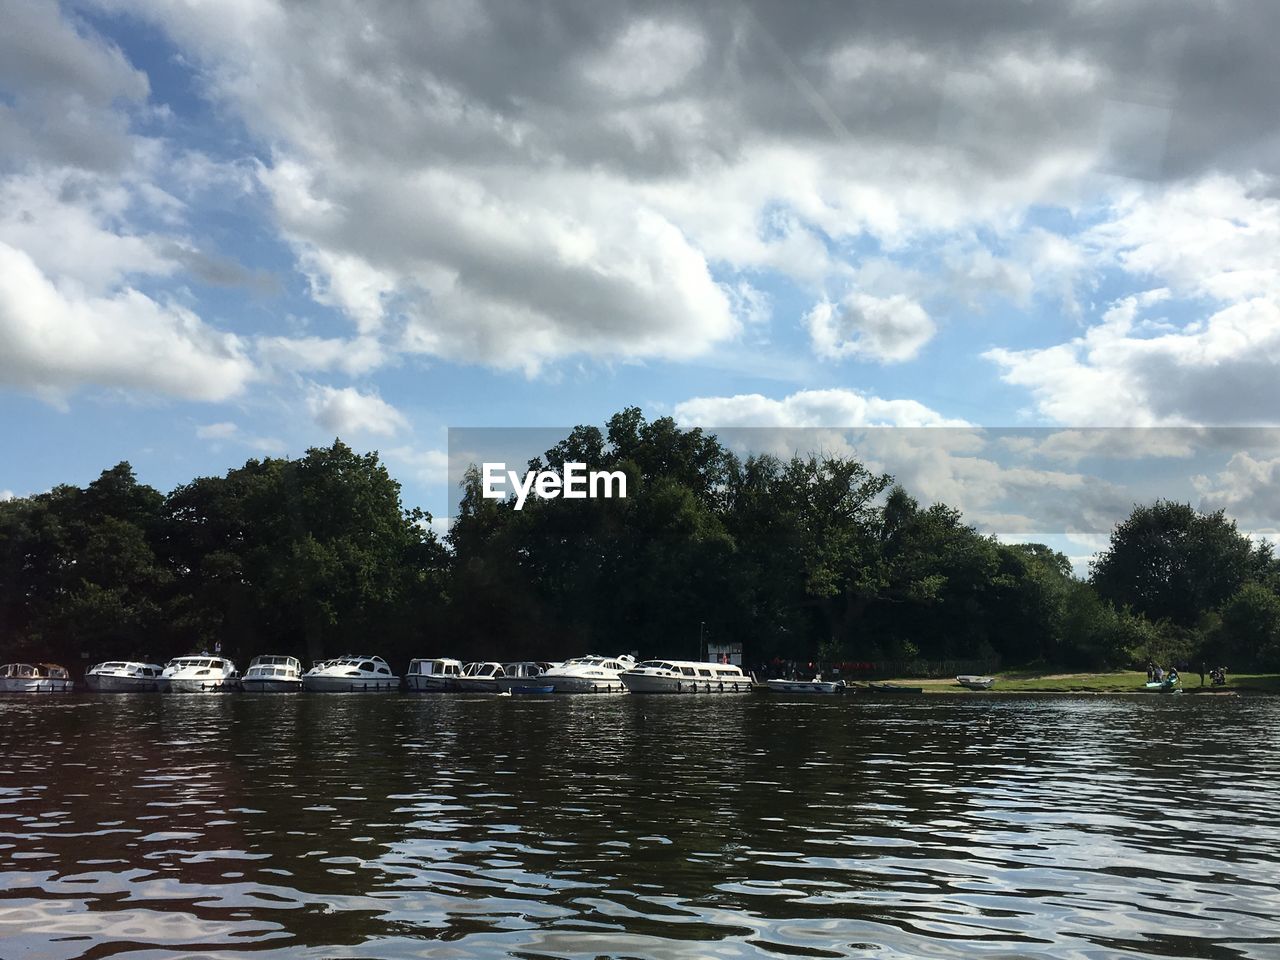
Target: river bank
column 1126, row 681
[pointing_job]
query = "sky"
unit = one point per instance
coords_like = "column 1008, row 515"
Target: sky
column 239, row 228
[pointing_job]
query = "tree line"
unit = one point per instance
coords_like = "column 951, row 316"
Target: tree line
column 809, row 558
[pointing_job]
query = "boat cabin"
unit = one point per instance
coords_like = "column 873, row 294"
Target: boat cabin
column 523, row 669
column 121, row 668
column 34, row 671
column 442, row 667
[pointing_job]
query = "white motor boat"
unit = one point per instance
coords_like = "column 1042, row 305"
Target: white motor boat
column 524, row 676
column 592, row 674
column 481, row 677
column 685, row 676
column 433, row 676
column 123, row 676
column 34, row 678
column 351, row 674
column 975, row 682
column 271, row 673
column 199, row 674
column 816, row 685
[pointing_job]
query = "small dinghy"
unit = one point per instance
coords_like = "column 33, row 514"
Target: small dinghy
column 975, row 682
column 891, row 688
column 531, row 689
column 1163, row 686
column 816, row 685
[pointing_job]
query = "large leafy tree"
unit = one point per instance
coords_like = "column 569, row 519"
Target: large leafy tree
column 1167, row 561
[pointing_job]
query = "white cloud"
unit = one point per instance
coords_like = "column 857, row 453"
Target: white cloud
column 1247, row 488
column 888, row 329
column 809, row 408
column 429, row 467
column 227, row 431
column 71, row 225
column 354, row 357
column 217, row 431
column 53, row 342
column 7, row 495
column 1072, row 446
column 1215, row 372
column 347, row 410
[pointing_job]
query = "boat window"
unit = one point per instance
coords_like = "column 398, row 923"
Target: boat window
column 704, row 673
column 687, row 671
column 366, row 665
column 386, row 670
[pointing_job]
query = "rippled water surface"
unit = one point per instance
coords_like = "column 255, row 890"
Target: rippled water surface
column 452, row 827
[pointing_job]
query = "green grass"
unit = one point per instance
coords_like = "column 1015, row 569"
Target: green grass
column 1050, row 680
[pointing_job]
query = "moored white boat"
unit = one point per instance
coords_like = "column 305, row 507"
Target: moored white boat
column 272, row 673
column 522, row 675
column 591, row 674
column 805, row 686
column 480, row 677
column 351, row 674
column 685, row 676
column 433, row 675
column 123, row 676
column 974, row 682
column 34, row 678
column 199, row 673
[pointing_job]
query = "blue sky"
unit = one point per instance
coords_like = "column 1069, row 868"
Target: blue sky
column 230, row 229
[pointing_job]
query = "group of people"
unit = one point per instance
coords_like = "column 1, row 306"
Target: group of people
column 1157, row 674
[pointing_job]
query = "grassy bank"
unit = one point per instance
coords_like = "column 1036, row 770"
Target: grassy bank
column 1126, row 681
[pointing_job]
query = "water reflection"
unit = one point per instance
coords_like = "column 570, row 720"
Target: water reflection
column 396, row 826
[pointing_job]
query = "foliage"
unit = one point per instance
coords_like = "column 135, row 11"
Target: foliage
column 809, row 558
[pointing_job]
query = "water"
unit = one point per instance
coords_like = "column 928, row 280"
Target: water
column 453, row 827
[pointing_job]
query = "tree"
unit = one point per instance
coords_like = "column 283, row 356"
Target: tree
column 1166, row 561
column 1249, row 635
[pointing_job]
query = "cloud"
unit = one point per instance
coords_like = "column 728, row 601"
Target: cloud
column 809, row 408
column 1072, row 446
column 1216, row 371
column 217, row 431
column 6, row 495
column 430, row 467
column 511, row 184
column 53, row 342
column 58, row 84
column 1247, row 488
column 348, row 411
column 354, row 357
column 889, row 329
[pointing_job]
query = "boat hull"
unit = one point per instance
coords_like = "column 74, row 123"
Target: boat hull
column 423, row 683
column 34, row 685
column 642, row 683
column 583, row 684
column 350, row 684
column 275, row 685
column 892, row 689
column 211, row 685
column 805, row 686
column 107, row 684
column 532, row 689
column 976, row 683
column 476, row 685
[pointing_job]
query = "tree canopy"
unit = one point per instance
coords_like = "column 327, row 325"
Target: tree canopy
column 809, row 558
